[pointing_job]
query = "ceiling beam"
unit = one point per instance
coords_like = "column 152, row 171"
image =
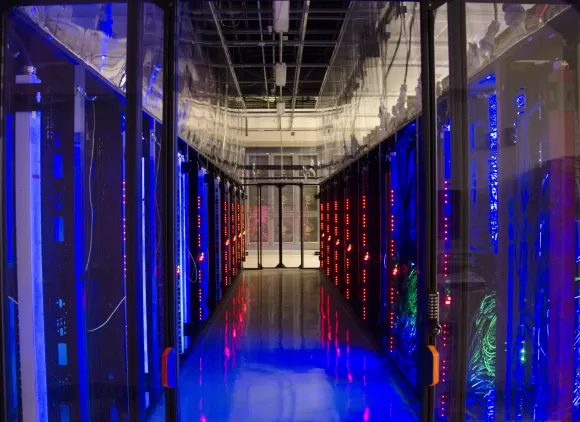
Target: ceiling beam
column 312, row 31
column 226, row 52
column 291, row 65
column 336, row 48
column 263, row 52
column 258, row 65
column 268, row 43
column 303, row 24
column 204, row 18
column 271, row 12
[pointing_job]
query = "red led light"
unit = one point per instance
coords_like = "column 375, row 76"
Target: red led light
column 448, row 300
column 349, row 249
column 395, row 270
column 201, row 257
column 367, row 257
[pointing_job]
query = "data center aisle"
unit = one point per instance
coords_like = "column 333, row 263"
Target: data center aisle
column 285, row 349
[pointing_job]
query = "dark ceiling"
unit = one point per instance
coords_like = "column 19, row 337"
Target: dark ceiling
column 253, row 51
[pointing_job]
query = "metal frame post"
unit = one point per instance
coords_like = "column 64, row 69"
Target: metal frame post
column 301, row 226
column 428, row 306
column 3, row 298
column 456, row 13
column 260, row 227
column 280, row 216
column 168, row 161
column 133, row 165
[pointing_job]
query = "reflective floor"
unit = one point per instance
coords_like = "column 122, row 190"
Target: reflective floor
column 285, row 349
column 291, row 259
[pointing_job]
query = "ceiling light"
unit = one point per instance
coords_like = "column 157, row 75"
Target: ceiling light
column 280, row 74
column 280, row 108
column 281, row 15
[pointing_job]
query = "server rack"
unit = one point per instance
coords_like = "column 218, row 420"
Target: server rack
column 233, row 230
column 183, row 248
column 226, row 242
column 352, row 235
column 337, row 233
column 217, row 237
column 203, row 257
column 322, row 227
column 239, row 242
column 365, row 253
column 151, row 234
column 105, row 253
column 74, row 135
column 375, row 289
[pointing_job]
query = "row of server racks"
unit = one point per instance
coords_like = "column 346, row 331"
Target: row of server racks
column 65, row 242
column 509, row 304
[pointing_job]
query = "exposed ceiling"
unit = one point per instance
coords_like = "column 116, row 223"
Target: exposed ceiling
column 254, row 50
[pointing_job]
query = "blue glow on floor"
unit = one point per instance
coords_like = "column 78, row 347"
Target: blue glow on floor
column 284, row 349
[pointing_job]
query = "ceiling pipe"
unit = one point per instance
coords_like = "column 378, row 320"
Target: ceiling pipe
column 289, row 65
column 226, row 52
column 263, row 52
column 336, row 49
column 271, row 12
column 303, row 24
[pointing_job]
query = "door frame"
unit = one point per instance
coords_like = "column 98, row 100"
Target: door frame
column 279, row 186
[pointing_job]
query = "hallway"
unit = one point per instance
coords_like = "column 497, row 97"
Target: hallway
column 285, row 349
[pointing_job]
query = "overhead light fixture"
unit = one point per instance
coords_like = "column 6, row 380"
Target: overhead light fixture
column 281, row 15
column 280, row 74
column 280, row 108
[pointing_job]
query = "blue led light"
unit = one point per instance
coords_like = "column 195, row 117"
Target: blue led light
column 217, row 239
column 144, row 267
column 65, row 413
column 62, row 354
column 493, row 173
column 182, row 256
column 13, row 356
column 59, row 228
column 9, row 190
column 203, row 249
column 58, row 171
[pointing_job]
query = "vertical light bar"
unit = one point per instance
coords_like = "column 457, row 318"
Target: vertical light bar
column 217, row 239
column 243, row 218
column 182, row 255
column 328, row 239
column 178, row 256
column 185, row 263
column 28, row 185
column 203, row 246
column 233, row 233
column 239, row 231
column 336, row 242
column 144, row 265
column 348, row 246
column 366, row 255
column 322, row 237
column 395, row 271
column 226, row 238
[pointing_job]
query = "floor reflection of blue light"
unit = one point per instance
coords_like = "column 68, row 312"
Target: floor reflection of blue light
column 284, row 349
